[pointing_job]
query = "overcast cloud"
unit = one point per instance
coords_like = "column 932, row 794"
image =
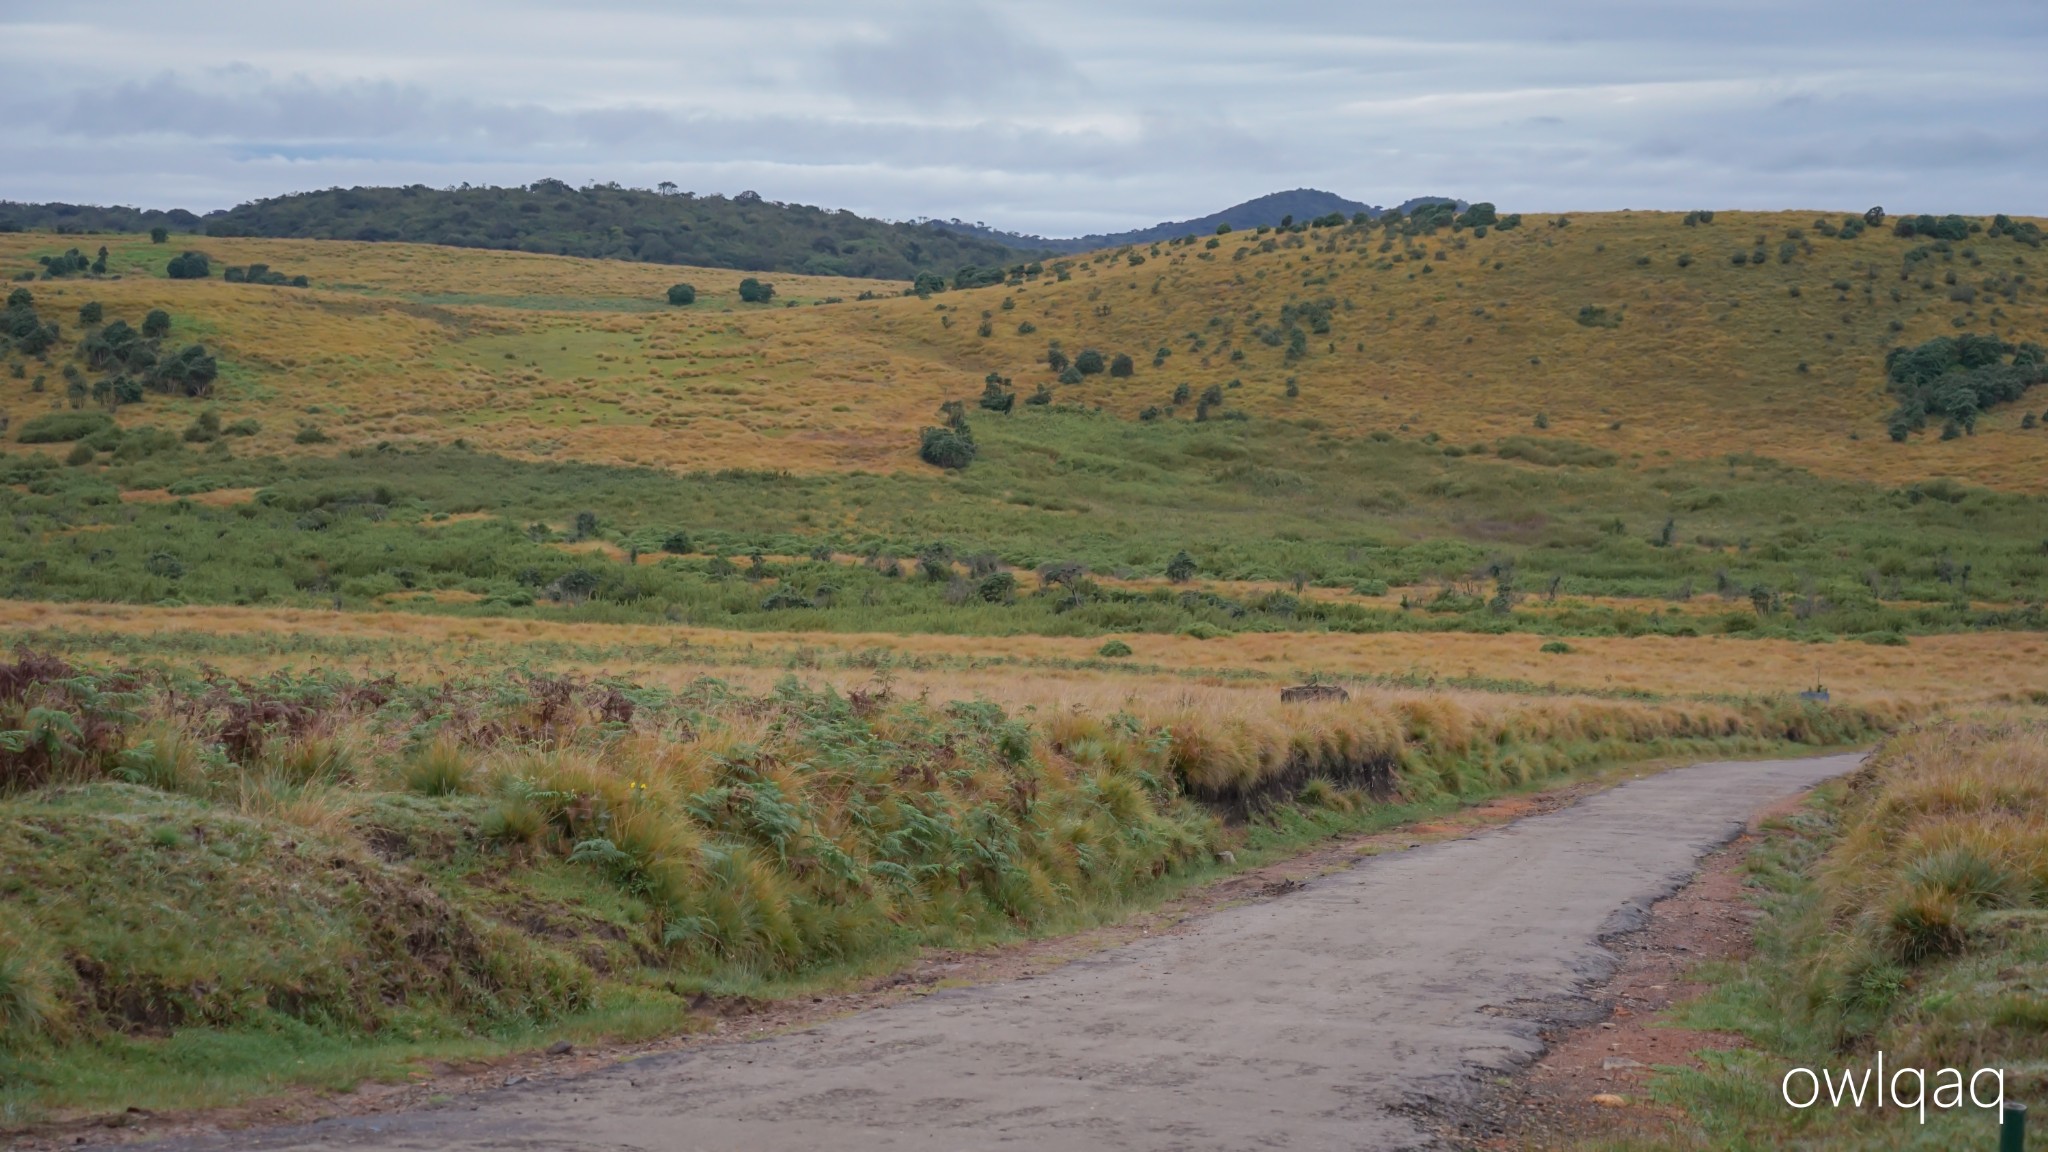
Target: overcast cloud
column 1059, row 117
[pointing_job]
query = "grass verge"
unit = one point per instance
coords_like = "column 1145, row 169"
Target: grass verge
column 217, row 889
column 1905, row 913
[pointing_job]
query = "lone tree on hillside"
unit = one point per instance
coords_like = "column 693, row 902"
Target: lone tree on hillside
column 1181, row 568
column 682, row 295
column 949, row 447
column 754, row 291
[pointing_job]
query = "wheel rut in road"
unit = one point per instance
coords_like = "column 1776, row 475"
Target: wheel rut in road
column 1330, row 1017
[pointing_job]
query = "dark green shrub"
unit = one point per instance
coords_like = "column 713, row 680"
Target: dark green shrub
column 157, row 324
column 682, row 295
column 63, row 427
column 1041, row 397
column 1478, row 215
column 678, row 543
column 1056, row 360
column 1072, row 375
column 1114, row 650
column 995, row 398
column 1089, row 362
column 91, row 312
column 204, row 429
column 948, row 447
column 1181, row 568
column 1120, row 365
column 1554, row 453
column 159, row 235
column 996, row 587
column 189, row 266
column 190, row 373
column 311, row 435
column 754, row 291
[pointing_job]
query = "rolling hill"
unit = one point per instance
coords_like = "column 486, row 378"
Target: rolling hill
column 1609, row 405
column 1629, row 332
column 1268, row 211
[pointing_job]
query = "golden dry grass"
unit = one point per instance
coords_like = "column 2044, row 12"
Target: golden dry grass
column 1042, row 671
column 503, row 349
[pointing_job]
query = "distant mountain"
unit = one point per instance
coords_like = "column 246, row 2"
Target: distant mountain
column 1265, row 211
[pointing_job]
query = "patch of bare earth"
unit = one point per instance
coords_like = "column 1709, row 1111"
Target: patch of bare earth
column 1590, row 1084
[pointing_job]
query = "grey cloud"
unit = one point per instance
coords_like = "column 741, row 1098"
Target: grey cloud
column 951, row 56
column 1050, row 116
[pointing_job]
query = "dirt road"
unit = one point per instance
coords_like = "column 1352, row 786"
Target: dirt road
column 1316, row 1019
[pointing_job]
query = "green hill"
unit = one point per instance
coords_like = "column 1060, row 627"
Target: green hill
column 552, row 218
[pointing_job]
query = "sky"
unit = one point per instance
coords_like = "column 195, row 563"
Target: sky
column 1058, row 118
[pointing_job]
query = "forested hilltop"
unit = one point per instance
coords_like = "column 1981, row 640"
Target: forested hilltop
column 549, row 216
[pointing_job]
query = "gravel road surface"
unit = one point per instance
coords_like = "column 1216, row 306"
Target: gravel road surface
column 1329, row 1017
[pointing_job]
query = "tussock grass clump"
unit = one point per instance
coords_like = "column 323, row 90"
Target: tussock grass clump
column 1942, row 862
column 439, row 769
column 1906, row 913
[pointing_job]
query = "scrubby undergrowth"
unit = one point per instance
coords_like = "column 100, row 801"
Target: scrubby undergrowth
column 1907, row 914
column 308, row 860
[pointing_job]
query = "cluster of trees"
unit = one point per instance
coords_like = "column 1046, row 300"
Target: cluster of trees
column 606, row 220
column 260, row 274
column 23, row 329
column 925, row 284
column 2028, row 233
column 129, row 361
column 1955, row 378
column 72, row 262
column 72, row 219
column 1950, row 227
